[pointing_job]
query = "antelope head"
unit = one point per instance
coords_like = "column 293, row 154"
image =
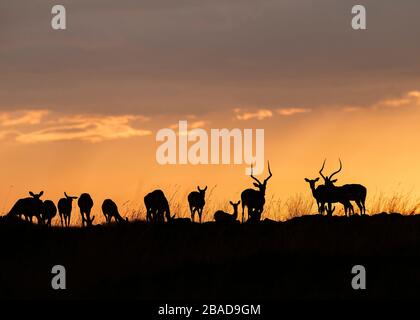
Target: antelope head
column 36, row 196
column 328, row 181
column 202, row 191
column 262, row 185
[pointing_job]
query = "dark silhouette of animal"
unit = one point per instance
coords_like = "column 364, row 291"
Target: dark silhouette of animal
column 221, row 216
column 110, row 210
column 322, row 196
column 64, row 209
column 317, row 194
column 157, row 207
column 330, row 210
column 196, row 201
column 29, row 207
column 345, row 193
column 179, row 220
column 253, row 199
column 49, row 212
column 85, row 204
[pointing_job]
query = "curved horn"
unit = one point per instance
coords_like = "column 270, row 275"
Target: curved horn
column 259, row 182
column 269, row 171
column 341, row 167
column 320, row 171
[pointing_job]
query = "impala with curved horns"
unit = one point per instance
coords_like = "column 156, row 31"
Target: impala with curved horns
column 322, row 196
column 253, row 199
column 344, row 193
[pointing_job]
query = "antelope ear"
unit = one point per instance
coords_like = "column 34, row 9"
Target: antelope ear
column 198, row 188
column 239, row 202
column 31, row 194
column 306, row 179
column 205, row 188
column 317, row 179
column 256, row 185
column 333, row 181
column 41, row 193
column 231, row 203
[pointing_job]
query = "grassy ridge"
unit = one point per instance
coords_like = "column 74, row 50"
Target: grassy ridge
column 305, row 257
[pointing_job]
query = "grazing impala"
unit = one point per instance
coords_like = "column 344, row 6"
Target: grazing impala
column 110, row 210
column 157, row 207
column 221, row 216
column 344, row 193
column 64, row 209
column 49, row 212
column 322, row 196
column 196, row 201
column 253, row 199
column 29, row 207
column 85, row 204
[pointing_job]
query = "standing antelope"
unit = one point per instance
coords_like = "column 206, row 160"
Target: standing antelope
column 157, row 207
column 64, row 209
column 221, row 216
column 253, row 199
column 344, row 193
column 322, row 196
column 29, row 207
column 85, row 204
column 196, row 200
column 110, row 209
column 49, row 212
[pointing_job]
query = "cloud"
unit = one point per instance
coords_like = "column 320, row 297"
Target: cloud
column 411, row 98
column 191, row 125
column 24, row 117
column 260, row 114
column 74, row 127
column 291, row 111
column 414, row 94
column 351, row 109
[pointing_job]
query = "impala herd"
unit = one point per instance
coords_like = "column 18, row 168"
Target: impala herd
column 157, row 206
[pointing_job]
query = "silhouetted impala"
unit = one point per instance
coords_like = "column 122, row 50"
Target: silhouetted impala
column 344, row 193
column 323, row 196
column 196, row 200
column 29, row 207
column 64, row 209
column 49, row 212
column 85, row 204
column 179, row 220
column 110, row 210
column 221, row 216
column 157, row 207
column 253, row 199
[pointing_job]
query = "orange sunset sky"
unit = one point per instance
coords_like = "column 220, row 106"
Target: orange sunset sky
column 80, row 108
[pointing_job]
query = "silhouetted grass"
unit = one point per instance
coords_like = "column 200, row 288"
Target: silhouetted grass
column 276, row 208
column 401, row 202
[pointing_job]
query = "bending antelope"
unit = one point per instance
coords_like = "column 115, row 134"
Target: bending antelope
column 49, row 212
column 110, row 210
column 345, row 193
column 196, row 200
column 85, row 204
column 157, row 207
column 29, row 207
column 64, row 209
column 322, row 196
column 221, row 216
column 253, row 199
